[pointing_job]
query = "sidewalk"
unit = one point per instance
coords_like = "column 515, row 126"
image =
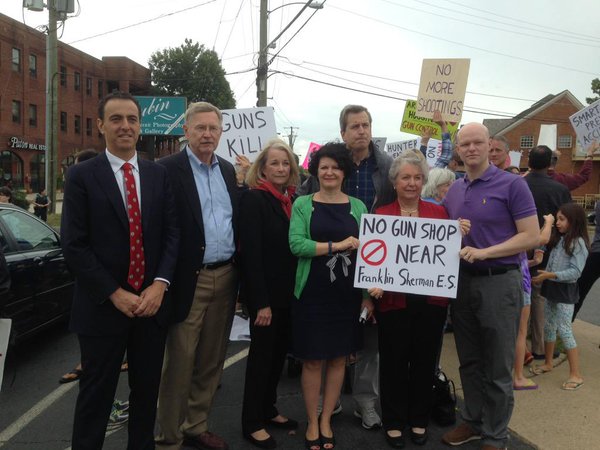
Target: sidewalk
column 549, row 417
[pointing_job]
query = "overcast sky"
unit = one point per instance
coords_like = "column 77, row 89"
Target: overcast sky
column 520, row 51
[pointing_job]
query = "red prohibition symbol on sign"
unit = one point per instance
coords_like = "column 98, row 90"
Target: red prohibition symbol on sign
column 374, row 252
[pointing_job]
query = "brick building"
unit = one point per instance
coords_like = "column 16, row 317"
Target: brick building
column 523, row 130
column 83, row 80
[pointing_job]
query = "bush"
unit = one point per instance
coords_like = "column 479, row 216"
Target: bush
column 19, row 199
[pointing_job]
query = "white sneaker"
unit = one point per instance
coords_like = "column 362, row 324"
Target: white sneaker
column 336, row 410
column 370, row 418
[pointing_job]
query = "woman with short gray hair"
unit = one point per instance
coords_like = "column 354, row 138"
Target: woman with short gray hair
column 437, row 185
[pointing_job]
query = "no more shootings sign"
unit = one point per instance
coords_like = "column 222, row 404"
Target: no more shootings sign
column 408, row 254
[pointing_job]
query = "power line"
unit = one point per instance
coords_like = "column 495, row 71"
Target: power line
column 446, row 17
column 469, row 109
column 583, row 36
column 220, row 22
column 556, row 66
column 233, row 26
column 162, row 16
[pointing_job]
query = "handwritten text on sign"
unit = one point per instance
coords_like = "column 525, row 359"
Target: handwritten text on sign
column 587, row 124
column 434, row 149
column 408, row 254
column 413, row 124
column 245, row 132
column 442, row 87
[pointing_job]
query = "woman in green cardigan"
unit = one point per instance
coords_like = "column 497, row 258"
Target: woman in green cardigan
column 325, row 316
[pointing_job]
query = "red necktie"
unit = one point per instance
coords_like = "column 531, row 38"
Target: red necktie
column 136, row 243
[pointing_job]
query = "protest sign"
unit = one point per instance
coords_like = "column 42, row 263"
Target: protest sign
column 380, row 143
column 515, row 158
column 548, row 136
column 245, row 132
column 586, row 123
column 434, row 149
column 408, row 254
column 313, row 147
column 4, row 336
column 442, row 87
column 413, row 124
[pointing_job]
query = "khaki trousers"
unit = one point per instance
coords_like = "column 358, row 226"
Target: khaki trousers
column 194, row 357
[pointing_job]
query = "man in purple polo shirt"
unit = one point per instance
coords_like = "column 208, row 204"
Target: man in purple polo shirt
column 486, row 312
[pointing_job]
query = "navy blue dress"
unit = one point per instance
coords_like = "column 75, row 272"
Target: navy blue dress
column 325, row 319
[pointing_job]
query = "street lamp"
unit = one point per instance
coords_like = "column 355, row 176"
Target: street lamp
column 263, row 65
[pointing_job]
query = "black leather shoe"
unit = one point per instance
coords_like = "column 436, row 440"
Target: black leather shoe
column 396, row 441
column 418, row 438
column 265, row 443
column 289, row 424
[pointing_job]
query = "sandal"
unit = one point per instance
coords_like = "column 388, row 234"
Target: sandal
column 538, row 370
column 571, row 385
column 327, row 443
column 315, row 444
column 67, row 378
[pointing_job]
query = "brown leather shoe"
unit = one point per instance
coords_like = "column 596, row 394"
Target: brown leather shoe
column 206, row 441
column 460, row 435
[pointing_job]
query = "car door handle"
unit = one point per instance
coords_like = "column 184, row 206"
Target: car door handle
column 38, row 261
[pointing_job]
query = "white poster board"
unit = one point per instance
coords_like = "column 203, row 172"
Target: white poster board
column 245, row 132
column 434, row 149
column 4, row 336
column 408, row 254
column 586, row 123
column 515, row 158
column 548, row 134
column 443, row 87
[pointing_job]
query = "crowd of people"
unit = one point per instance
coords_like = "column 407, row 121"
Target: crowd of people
column 162, row 251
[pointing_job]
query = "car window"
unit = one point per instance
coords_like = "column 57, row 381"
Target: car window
column 3, row 243
column 28, row 232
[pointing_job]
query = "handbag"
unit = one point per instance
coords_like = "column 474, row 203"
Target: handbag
column 443, row 411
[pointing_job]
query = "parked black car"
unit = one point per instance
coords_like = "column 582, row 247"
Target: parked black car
column 41, row 288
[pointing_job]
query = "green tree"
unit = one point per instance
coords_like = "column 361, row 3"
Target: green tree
column 595, row 90
column 191, row 71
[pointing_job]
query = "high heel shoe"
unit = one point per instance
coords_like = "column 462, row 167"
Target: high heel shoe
column 327, row 443
column 268, row 443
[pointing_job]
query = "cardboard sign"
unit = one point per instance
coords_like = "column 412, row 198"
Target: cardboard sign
column 586, row 123
column 443, row 87
column 245, row 132
column 4, row 335
column 515, row 158
column 313, row 147
column 413, row 124
column 434, row 149
column 408, row 254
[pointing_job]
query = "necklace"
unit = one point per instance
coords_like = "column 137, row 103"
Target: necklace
column 409, row 212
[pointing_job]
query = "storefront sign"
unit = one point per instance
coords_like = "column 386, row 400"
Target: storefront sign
column 16, row 143
column 162, row 115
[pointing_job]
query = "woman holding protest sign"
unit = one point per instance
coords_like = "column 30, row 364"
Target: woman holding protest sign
column 410, row 325
column 268, row 269
column 325, row 317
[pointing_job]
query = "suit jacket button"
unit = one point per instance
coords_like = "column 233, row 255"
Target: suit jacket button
column 197, row 272
column 202, row 248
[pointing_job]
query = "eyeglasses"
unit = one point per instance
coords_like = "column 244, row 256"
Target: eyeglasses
column 210, row 128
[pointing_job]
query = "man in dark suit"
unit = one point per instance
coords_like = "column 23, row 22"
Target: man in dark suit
column 120, row 238
column 204, row 286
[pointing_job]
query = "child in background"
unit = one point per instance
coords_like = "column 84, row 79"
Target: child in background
column 520, row 382
column 569, row 247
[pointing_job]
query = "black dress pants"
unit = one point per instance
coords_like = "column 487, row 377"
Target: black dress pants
column 268, row 348
column 408, row 345
column 101, row 358
column 589, row 275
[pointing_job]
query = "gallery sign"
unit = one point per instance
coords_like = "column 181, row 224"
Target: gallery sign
column 162, row 115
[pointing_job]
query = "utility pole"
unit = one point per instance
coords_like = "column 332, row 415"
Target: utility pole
column 51, row 105
column 261, row 73
column 292, row 137
column 263, row 63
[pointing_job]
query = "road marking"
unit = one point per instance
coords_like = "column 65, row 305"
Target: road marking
column 33, row 412
column 228, row 362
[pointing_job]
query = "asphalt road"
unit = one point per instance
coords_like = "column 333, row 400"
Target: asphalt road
column 36, row 412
